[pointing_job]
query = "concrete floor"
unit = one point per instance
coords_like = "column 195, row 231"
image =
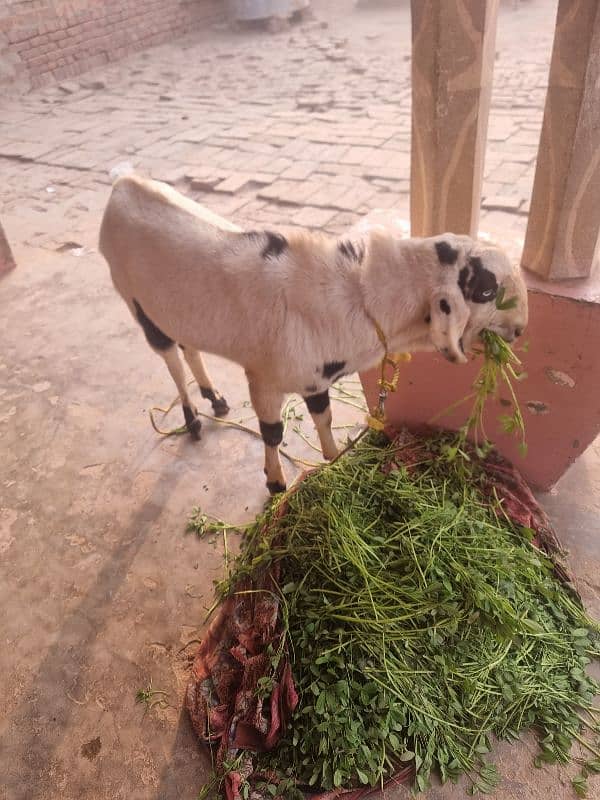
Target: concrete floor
column 101, row 588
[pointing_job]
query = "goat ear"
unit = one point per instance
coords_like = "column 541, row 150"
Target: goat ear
column 449, row 316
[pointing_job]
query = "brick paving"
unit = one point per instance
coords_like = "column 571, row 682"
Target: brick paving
column 308, row 127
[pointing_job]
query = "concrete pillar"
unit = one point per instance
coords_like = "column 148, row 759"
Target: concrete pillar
column 6, row 257
column 562, row 238
column 453, row 49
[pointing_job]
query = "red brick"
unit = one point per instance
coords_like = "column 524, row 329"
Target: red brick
column 79, row 34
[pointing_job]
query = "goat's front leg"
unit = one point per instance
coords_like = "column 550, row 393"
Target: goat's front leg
column 320, row 411
column 267, row 404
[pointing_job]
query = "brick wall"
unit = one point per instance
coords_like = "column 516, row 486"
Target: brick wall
column 42, row 41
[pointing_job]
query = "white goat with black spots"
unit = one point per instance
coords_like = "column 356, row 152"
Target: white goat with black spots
column 295, row 311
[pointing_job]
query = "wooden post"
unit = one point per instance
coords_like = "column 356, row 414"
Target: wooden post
column 564, row 221
column 453, row 49
column 6, row 257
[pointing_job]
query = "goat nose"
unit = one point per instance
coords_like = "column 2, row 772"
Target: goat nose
column 518, row 332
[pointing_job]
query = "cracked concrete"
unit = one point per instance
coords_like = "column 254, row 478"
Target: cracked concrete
column 101, row 590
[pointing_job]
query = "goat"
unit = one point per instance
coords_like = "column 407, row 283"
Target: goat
column 296, row 311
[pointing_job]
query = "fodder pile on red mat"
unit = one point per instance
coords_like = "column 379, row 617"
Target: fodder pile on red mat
column 386, row 619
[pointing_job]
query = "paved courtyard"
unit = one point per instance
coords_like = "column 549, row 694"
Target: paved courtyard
column 101, row 590
column 310, row 127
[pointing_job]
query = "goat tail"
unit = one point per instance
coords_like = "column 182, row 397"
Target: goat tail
column 120, row 170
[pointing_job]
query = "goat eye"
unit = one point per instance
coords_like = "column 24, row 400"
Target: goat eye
column 487, row 293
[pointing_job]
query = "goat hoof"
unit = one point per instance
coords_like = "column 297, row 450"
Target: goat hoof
column 192, row 421
column 220, row 407
column 275, row 487
column 195, row 429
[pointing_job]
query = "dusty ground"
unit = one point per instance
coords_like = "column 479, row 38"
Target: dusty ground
column 102, row 590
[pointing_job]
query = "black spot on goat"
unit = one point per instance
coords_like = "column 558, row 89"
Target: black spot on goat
column 276, row 244
column 477, row 283
column 156, row 338
column 273, row 244
column 446, row 253
column 271, row 432
column 317, row 403
column 352, row 251
column 333, row 369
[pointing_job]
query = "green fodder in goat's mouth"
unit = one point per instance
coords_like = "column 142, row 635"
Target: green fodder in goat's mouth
column 420, row 624
column 501, row 367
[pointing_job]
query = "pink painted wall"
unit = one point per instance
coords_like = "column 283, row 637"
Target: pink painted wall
column 563, row 366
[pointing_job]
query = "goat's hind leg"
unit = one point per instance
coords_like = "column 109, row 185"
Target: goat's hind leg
column 165, row 347
column 207, row 390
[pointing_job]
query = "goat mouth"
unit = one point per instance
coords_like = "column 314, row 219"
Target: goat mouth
column 504, row 336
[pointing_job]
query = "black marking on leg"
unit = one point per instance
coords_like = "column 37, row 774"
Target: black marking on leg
column 444, row 306
column 208, row 394
column 446, row 253
column 219, row 404
column 276, row 487
column 477, row 283
column 348, row 249
column 271, row 432
column 189, row 415
column 192, row 421
column 156, row 338
column 331, row 368
column 317, row 403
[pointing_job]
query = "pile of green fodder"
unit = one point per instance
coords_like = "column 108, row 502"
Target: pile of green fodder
column 419, row 623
